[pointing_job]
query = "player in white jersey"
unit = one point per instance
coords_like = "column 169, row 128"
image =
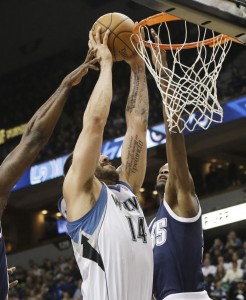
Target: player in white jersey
column 176, row 232
column 37, row 132
column 105, row 221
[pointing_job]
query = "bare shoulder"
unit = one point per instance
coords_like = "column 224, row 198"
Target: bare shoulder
column 79, row 202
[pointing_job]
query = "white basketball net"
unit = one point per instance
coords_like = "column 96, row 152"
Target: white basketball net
column 189, row 92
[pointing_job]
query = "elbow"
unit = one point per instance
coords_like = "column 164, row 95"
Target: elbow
column 140, row 122
column 95, row 122
column 36, row 138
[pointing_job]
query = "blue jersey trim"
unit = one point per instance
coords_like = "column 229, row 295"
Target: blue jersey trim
column 114, row 187
column 89, row 222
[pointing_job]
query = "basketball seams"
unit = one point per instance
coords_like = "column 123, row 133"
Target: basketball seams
column 118, row 24
column 122, row 41
column 119, row 41
column 117, row 35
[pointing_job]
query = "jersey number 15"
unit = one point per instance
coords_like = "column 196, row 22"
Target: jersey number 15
column 159, row 232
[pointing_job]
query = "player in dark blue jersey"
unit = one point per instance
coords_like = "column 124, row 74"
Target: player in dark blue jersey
column 176, row 232
column 36, row 135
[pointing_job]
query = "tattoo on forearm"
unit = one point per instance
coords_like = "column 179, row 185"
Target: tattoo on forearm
column 138, row 97
column 133, row 96
column 134, row 152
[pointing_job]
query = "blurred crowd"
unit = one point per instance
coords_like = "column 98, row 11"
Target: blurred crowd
column 52, row 280
column 224, row 268
column 219, row 177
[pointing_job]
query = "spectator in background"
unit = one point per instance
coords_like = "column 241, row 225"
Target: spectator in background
column 218, row 293
column 209, row 284
column 48, row 265
column 233, row 241
column 240, row 291
column 207, row 268
column 220, row 272
column 215, row 256
column 228, row 254
column 235, row 258
column 233, row 274
column 221, row 261
column 217, row 245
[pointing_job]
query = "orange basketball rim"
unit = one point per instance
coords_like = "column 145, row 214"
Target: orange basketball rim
column 163, row 18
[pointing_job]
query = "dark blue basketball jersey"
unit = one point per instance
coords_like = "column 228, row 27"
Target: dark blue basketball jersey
column 4, row 285
column 177, row 245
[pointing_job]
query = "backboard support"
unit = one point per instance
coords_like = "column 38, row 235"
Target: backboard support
column 223, row 16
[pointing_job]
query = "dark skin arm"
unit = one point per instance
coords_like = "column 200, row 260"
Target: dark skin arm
column 179, row 189
column 38, row 131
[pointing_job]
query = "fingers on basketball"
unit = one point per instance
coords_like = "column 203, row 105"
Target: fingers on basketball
column 105, row 38
column 98, row 35
column 92, row 42
column 119, row 38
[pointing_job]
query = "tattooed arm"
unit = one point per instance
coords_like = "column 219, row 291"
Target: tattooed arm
column 134, row 149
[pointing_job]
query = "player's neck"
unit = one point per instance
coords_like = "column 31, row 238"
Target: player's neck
column 161, row 197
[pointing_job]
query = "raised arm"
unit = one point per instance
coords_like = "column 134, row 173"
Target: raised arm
column 179, row 190
column 81, row 188
column 38, row 131
column 134, row 149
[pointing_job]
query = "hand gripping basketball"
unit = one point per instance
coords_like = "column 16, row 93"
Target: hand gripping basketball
column 120, row 27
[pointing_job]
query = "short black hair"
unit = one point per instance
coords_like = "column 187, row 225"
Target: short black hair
column 67, row 164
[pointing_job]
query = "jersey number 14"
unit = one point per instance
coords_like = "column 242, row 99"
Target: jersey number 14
column 140, row 232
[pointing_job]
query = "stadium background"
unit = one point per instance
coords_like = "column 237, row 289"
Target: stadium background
column 42, row 41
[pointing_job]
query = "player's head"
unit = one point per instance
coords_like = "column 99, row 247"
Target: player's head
column 105, row 171
column 162, row 179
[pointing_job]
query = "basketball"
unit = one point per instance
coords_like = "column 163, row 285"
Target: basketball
column 120, row 27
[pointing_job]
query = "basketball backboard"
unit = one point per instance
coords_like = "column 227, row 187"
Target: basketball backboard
column 223, row 16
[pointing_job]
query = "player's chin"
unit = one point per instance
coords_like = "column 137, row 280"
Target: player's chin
column 161, row 182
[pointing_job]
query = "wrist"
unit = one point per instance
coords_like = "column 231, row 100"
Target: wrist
column 66, row 84
column 106, row 64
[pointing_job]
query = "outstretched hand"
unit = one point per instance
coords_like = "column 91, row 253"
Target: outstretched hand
column 10, row 272
column 100, row 46
column 75, row 77
column 159, row 57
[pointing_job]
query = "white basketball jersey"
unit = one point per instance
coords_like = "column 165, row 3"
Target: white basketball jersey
column 112, row 247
